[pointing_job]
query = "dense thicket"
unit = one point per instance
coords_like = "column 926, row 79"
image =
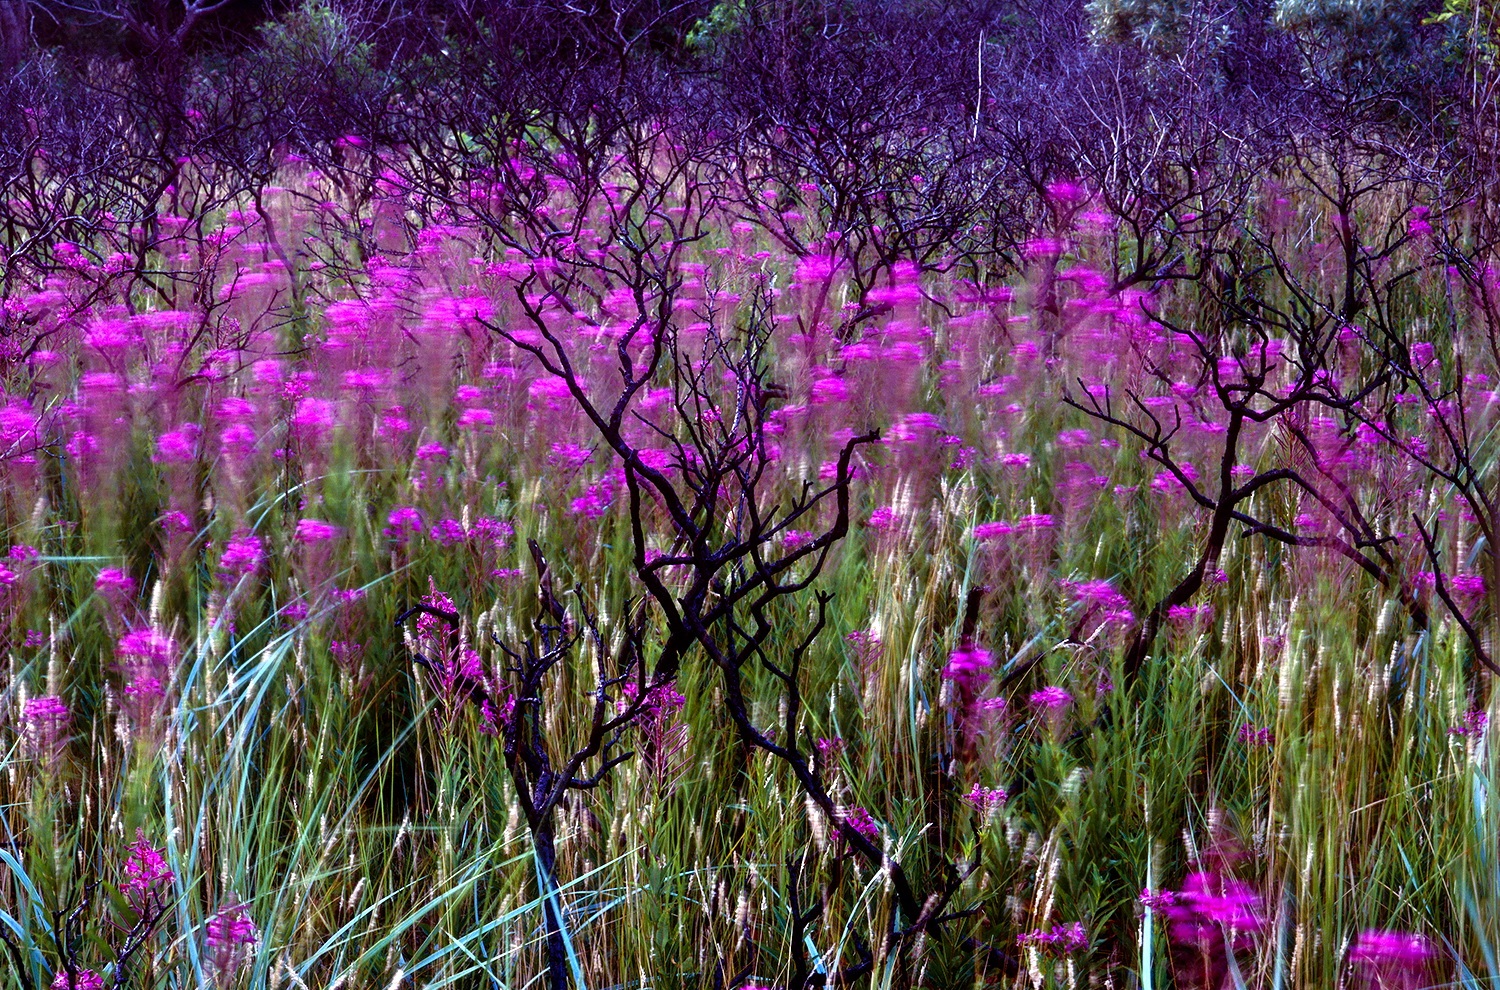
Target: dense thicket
column 939, row 123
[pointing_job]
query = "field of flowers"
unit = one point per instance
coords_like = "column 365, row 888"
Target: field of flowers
column 647, row 588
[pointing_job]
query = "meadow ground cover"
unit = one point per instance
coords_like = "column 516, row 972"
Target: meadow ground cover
column 583, row 553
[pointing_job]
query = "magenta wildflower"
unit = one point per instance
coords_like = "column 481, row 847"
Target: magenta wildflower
column 860, row 820
column 46, row 721
column 1058, row 940
column 1214, row 899
column 1391, row 960
column 1051, row 699
column 313, row 418
column 990, row 706
column 47, row 708
column 403, row 523
column 448, row 532
column 430, row 626
column 795, row 538
column 175, row 521
column 1186, row 615
column 497, row 532
column 992, row 531
column 83, row 979
column 1157, row 900
column 114, row 581
column 493, row 720
column 229, row 934
column 1473, row 725
column 315, row 531
column 147, row 645
column 986, row 799
column 1073, row 439
column 664, row 699
column 147, row 658
column 243, row 554
column 1468, row 585
column 1210, row 918
column 969, row 665
column 147, row 875
column 1043, row 247
column 1067, row 193
column 1251, row 736
column 829, row 748
column 345, row 653
column 595, row 501
column 456, row 670
column 570, row 455
column 471, row 665
column 664, row 733
column 866, row 646
column 178, row 446
column 475, row 419
column 146, row 690
column 1100, row 599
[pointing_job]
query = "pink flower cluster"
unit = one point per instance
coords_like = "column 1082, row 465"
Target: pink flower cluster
column 989, row 531
column 313, row 531
column 147, row 875
column 1473, row 725
column 1469, row 587
column 244, row 553
column 860, row 820
column 969, row 665
column 1391, row 960
column 46, row 721
column 1251, row 736
column 114, row 584
column 1051, row 699
column 795, row 539
column 1187, row 615
column 867, row 648
column 986, row 799
column 83, row 979
column 1212, row 917
column 1209, row 902
column 147, row 659
column 229, row 935
column 495, row 533
column 403, row 523
column 493, row 718
column 1059, row 940
column 1100, row 600
column 664, row 734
